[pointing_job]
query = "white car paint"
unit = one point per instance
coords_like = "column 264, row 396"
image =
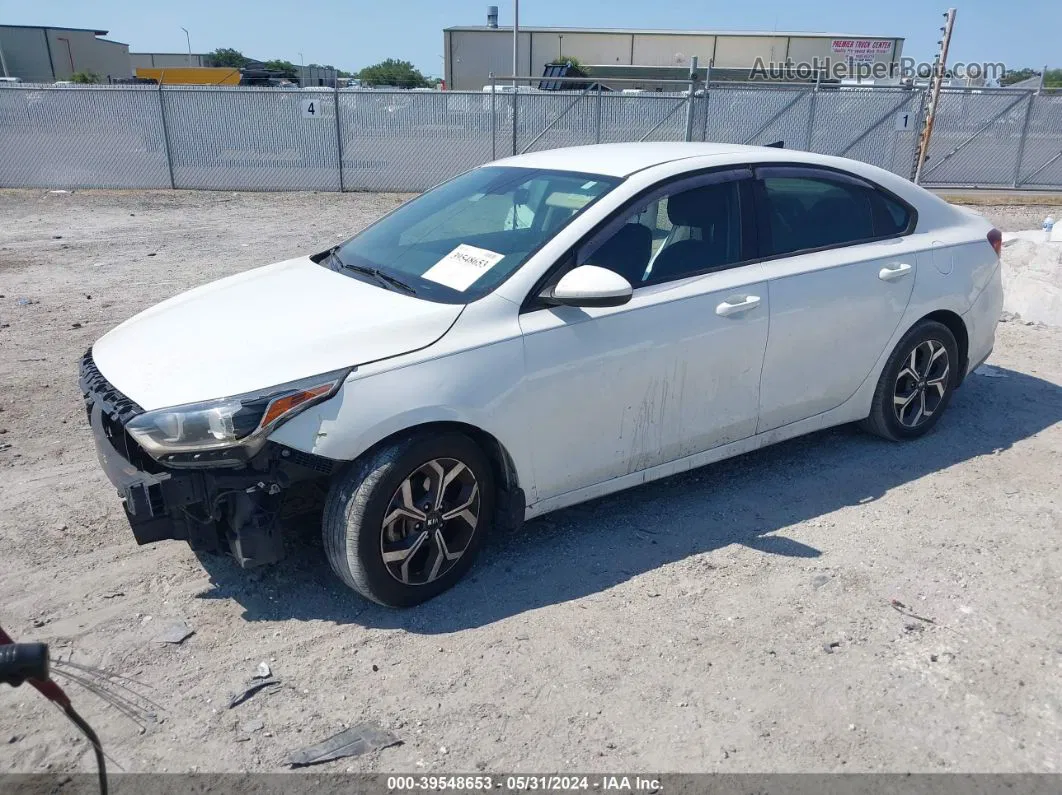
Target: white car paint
column 585, row 401
column 813, row 297
column 260, row 328
column 635, row 384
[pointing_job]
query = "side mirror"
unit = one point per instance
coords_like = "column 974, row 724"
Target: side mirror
column 589, row 285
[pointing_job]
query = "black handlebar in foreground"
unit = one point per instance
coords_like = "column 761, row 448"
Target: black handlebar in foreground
column 28, row 662
column 22, row 661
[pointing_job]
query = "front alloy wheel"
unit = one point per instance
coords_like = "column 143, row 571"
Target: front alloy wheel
column 405, row 521
column 430, row 521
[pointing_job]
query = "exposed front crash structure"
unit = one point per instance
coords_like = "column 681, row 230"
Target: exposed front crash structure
column 214, row 509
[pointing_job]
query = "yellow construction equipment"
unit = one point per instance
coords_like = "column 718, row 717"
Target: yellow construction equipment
column 192, row 75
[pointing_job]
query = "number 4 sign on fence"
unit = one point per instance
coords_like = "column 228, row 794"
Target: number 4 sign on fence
column 312, row 108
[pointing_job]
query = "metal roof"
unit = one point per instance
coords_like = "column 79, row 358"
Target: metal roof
column 58, row 27
column 182, row 54
column 806, row 34
column 1027, row 83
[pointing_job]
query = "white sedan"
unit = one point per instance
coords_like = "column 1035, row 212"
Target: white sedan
column 534, row 333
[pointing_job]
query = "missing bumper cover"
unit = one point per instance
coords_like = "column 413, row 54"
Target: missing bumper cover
column 234, row 510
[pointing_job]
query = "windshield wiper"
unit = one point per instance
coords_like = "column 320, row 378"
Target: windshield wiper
column 391, row 280
column 376, row 273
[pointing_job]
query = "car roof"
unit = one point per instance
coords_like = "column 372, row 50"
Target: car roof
column 621, row 160
column 624, row 159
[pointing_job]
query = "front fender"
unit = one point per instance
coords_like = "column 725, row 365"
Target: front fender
column 472, row 387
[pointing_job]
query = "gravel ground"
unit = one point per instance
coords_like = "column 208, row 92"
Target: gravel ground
column 1015, row 218
column 735, row 618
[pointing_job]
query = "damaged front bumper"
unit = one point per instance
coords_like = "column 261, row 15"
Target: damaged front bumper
column 215, row 510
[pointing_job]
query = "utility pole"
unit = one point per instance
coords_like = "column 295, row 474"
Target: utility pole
column 516, row 41
column 302, row 71
column 938, row 81
column 188, row 40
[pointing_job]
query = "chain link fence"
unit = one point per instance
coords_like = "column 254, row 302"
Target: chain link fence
column 246, row 138
column 92, row 137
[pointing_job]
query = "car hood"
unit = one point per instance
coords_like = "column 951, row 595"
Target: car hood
column 262, row 328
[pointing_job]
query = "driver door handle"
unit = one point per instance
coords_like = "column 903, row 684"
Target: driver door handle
column 728, row 308
column 891, row 273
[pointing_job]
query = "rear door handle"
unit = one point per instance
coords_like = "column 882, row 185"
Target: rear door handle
column 894, row 272
column 728, row 308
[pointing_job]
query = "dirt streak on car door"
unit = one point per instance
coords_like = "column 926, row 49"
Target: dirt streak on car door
column 615, row 390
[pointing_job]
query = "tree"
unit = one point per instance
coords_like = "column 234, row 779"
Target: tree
column 577, row 69
column 1052, row 77
column 85, row 77
column 286, row 68
column 393, row 72
column 1016, row 76
column 226, row 56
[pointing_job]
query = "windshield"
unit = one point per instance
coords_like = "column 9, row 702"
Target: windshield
column 460, row 240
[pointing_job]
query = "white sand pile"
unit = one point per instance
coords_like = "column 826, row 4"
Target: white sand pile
column 1032, row 277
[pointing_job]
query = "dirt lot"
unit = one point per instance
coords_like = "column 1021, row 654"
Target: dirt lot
column 736, row 618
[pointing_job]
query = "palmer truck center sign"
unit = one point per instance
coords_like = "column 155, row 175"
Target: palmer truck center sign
column 862, row 49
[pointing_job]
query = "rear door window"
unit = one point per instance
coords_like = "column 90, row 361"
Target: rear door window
column 805, row 209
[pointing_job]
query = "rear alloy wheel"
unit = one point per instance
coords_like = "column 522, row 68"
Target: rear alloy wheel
column 922, row 384
column 405, row 522
column 916, row 384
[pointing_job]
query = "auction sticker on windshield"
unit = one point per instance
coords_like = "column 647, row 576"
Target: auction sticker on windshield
column 461, row 267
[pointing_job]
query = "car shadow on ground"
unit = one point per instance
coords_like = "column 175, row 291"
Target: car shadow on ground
column 591, row 547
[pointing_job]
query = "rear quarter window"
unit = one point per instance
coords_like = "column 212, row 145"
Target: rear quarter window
column 890, row 216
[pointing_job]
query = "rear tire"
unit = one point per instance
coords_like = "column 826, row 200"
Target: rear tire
column 404, row 523
column 916, row 383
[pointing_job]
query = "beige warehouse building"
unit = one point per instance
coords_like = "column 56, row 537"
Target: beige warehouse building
column 472, row 53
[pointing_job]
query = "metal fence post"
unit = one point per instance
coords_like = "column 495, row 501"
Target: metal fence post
column 493, row 119
column 339, row 139
column 597, row 116
column 516, row 93
column 707, row 94
column 1021, row 141
column 923, row 115
column 166, row 137
column 690, row 96
column 811, row 112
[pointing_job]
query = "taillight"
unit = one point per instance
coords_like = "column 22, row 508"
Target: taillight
column 995, row 239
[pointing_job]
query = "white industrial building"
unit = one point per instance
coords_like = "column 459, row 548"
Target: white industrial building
column 473, row 52
column 45, row 54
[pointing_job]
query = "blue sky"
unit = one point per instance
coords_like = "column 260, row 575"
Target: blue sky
column 353, row 33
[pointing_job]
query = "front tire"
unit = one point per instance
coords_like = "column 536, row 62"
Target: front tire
column 916, row 383
column 404, row 523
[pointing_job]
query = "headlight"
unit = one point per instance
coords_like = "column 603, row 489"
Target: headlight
column 227, row 432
